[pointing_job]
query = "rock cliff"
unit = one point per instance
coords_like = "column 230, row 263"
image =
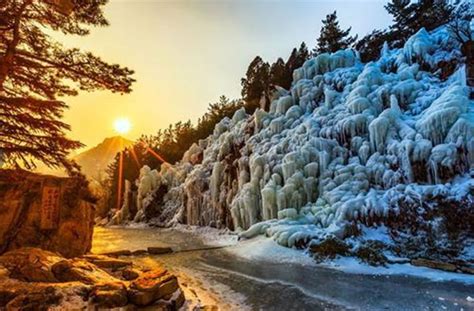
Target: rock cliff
column 43, row 211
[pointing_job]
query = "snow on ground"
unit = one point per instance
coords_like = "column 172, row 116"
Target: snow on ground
column 352, row 265
column 209, row 236
column 379, row 233
column 200, row 291
column 264, row 249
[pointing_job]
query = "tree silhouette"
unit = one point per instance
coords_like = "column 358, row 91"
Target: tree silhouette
column 279, row 74
column 332, row 38
column 256, row 84
column 35, row 70
column 410, row 17
column 296, row 60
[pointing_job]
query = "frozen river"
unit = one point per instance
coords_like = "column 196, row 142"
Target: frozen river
column 234, row 281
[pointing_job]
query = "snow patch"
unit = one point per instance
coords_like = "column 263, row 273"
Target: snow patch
column 352, row 265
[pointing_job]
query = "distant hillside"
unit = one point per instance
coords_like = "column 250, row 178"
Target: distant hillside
column 95, row 160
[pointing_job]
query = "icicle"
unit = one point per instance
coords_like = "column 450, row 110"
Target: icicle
column 378, row 129
column 269, row 202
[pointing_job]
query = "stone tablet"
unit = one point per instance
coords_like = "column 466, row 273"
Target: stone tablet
column 50, row 204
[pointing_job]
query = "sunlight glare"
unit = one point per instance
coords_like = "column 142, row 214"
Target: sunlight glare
column 122, row 125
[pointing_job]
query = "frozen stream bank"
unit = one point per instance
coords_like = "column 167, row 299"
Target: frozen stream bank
column 257, row 275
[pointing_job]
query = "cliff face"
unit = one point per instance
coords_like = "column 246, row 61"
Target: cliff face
column 43, row 211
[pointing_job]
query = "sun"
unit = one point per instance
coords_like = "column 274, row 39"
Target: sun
column 122, row 125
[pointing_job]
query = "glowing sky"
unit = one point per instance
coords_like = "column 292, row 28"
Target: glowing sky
column 187, row 53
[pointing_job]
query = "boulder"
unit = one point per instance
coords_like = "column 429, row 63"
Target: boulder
column 30, row 264
column 7, row 295
column 111, row 263
column 35, row 279
column 119, row 253
column 152, row 286
column 139, row 252
column 159, row 250
column 109, row 295
column 208, row 308
column 41, row 300
column 178, row 300
column 80, row 270
column 172, row 303
column 130, row 274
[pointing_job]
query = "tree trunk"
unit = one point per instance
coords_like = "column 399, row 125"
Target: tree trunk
column 468, row 50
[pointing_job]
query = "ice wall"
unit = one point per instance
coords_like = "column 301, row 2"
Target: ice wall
column 345, row 144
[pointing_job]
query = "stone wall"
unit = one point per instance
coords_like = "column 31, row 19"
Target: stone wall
column 53, row 213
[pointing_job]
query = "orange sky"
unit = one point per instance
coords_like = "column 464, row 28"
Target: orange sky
column 186, row 53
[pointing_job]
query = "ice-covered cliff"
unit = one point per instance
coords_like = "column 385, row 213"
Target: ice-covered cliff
column 351, row 145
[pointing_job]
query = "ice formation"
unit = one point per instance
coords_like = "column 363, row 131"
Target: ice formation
column 345, row 144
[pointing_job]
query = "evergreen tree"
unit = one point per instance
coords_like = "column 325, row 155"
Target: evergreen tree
column 332, row 38
column 295, row 60
column 35, row 70
column 256, row 84
column 402, row 12
column 279, row 75
column 408, row 18
column 460, row 23
column 261, row 78
column 302, row 56
column 298, row 57
column 369, row 47
column 290, row 65
column 461, row 27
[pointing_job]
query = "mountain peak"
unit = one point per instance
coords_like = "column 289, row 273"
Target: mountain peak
column 95, row 160
column 115, row 138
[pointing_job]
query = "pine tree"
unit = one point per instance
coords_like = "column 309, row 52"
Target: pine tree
column 291, row 64
column 408, row 18
column 369, row 47
column 402, row 12
column 298, row 57
column 295, row 60
column 35, row 70
column 332, row 38
column 460, row 26
column 302, row 56
column 279, row 75
column 256, row 84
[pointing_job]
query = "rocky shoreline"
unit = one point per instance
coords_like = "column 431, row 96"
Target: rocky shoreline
column 35, row 279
